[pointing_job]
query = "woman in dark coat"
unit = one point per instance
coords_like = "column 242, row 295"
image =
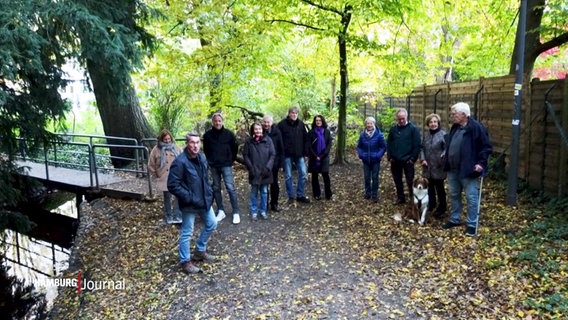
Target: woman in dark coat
column 319, row 139
column 258, row 155
column 431, row 156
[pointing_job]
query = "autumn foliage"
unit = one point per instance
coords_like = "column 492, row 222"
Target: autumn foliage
column 341, row 259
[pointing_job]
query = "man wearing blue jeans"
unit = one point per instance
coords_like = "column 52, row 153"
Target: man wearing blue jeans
column 295, row 137
column 220, row 148
column 467, row 152
column 187, row 181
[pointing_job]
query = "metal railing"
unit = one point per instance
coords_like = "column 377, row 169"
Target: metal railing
column 91, row 154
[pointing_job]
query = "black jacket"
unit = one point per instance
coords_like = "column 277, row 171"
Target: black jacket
column 276, row 137
column 295, row 138
column 258, row 157
column 474, row 149
column 188, row 182
column 324, row 156
column 220, row 147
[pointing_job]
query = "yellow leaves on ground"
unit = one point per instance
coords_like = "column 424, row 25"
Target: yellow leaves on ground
column 341, row 259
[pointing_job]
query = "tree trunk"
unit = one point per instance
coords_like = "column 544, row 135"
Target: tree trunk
column 533, row 45
column 120, row 113
column 532, row 36
column 340, row 157
column 333, row 93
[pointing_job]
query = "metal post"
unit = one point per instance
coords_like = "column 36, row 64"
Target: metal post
column 519, row 77
column 436, row 99
column 479, row 205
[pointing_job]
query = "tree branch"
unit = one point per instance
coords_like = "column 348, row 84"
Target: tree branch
column 555, row 42
column 319, row 6
column 252, row 114
column 296, row 24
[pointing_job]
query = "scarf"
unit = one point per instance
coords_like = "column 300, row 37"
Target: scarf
column 320, row 141
column 163, row 148
column 369, row 133
column 433, row 132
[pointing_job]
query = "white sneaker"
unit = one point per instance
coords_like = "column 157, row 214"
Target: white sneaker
column 236, row 218
column 263, row 215
column 220, row 215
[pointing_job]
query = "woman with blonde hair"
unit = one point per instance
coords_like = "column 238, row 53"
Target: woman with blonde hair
column 161, row 157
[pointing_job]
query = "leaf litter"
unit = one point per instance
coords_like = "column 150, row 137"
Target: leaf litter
column 341, row 259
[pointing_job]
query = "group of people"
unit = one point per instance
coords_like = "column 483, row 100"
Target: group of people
column 185, row 173
column 461, row 156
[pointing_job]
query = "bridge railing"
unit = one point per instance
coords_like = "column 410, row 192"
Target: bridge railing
column 62, row 154
column 89, row 153
column 140, row 152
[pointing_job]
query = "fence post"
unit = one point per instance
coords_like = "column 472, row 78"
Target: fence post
column 563, row 163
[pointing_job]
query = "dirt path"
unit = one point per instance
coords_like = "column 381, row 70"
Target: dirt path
column 340, row 259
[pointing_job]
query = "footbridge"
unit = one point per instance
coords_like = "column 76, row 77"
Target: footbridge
column 83, row 164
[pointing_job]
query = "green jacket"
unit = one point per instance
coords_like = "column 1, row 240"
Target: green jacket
column 403, row 143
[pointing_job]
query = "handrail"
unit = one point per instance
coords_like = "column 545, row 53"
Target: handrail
column 94, row 136
column 137, row 148
column 92, row 156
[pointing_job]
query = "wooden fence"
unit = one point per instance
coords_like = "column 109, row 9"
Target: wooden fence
column 543, row 161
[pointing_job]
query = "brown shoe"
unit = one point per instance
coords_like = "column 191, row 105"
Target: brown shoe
column 189, row 268
column 203, row 256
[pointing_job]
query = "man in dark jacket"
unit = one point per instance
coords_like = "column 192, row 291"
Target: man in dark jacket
column 403, row 148
column 294, row 136
column 467, row 152
column 187, row 181
column 220, row 147
column 274, row 133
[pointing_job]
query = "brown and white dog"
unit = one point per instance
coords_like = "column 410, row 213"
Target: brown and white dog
column 421, row 199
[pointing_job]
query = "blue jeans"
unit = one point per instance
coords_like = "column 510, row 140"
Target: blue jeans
column 168, row 205
column 471, row 188
column 227, row 174
column 371, row 172
column 253, row 198
column 301, row 167
column 186, row 232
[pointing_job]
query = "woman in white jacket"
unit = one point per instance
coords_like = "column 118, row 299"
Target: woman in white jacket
column 161, row 157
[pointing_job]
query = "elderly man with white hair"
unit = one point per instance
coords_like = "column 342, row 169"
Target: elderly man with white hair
column 467, row 152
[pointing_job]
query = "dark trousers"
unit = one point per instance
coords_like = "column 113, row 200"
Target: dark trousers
column 316, row 191
column 436, row 191
column 274, row 188
column 397, row 169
